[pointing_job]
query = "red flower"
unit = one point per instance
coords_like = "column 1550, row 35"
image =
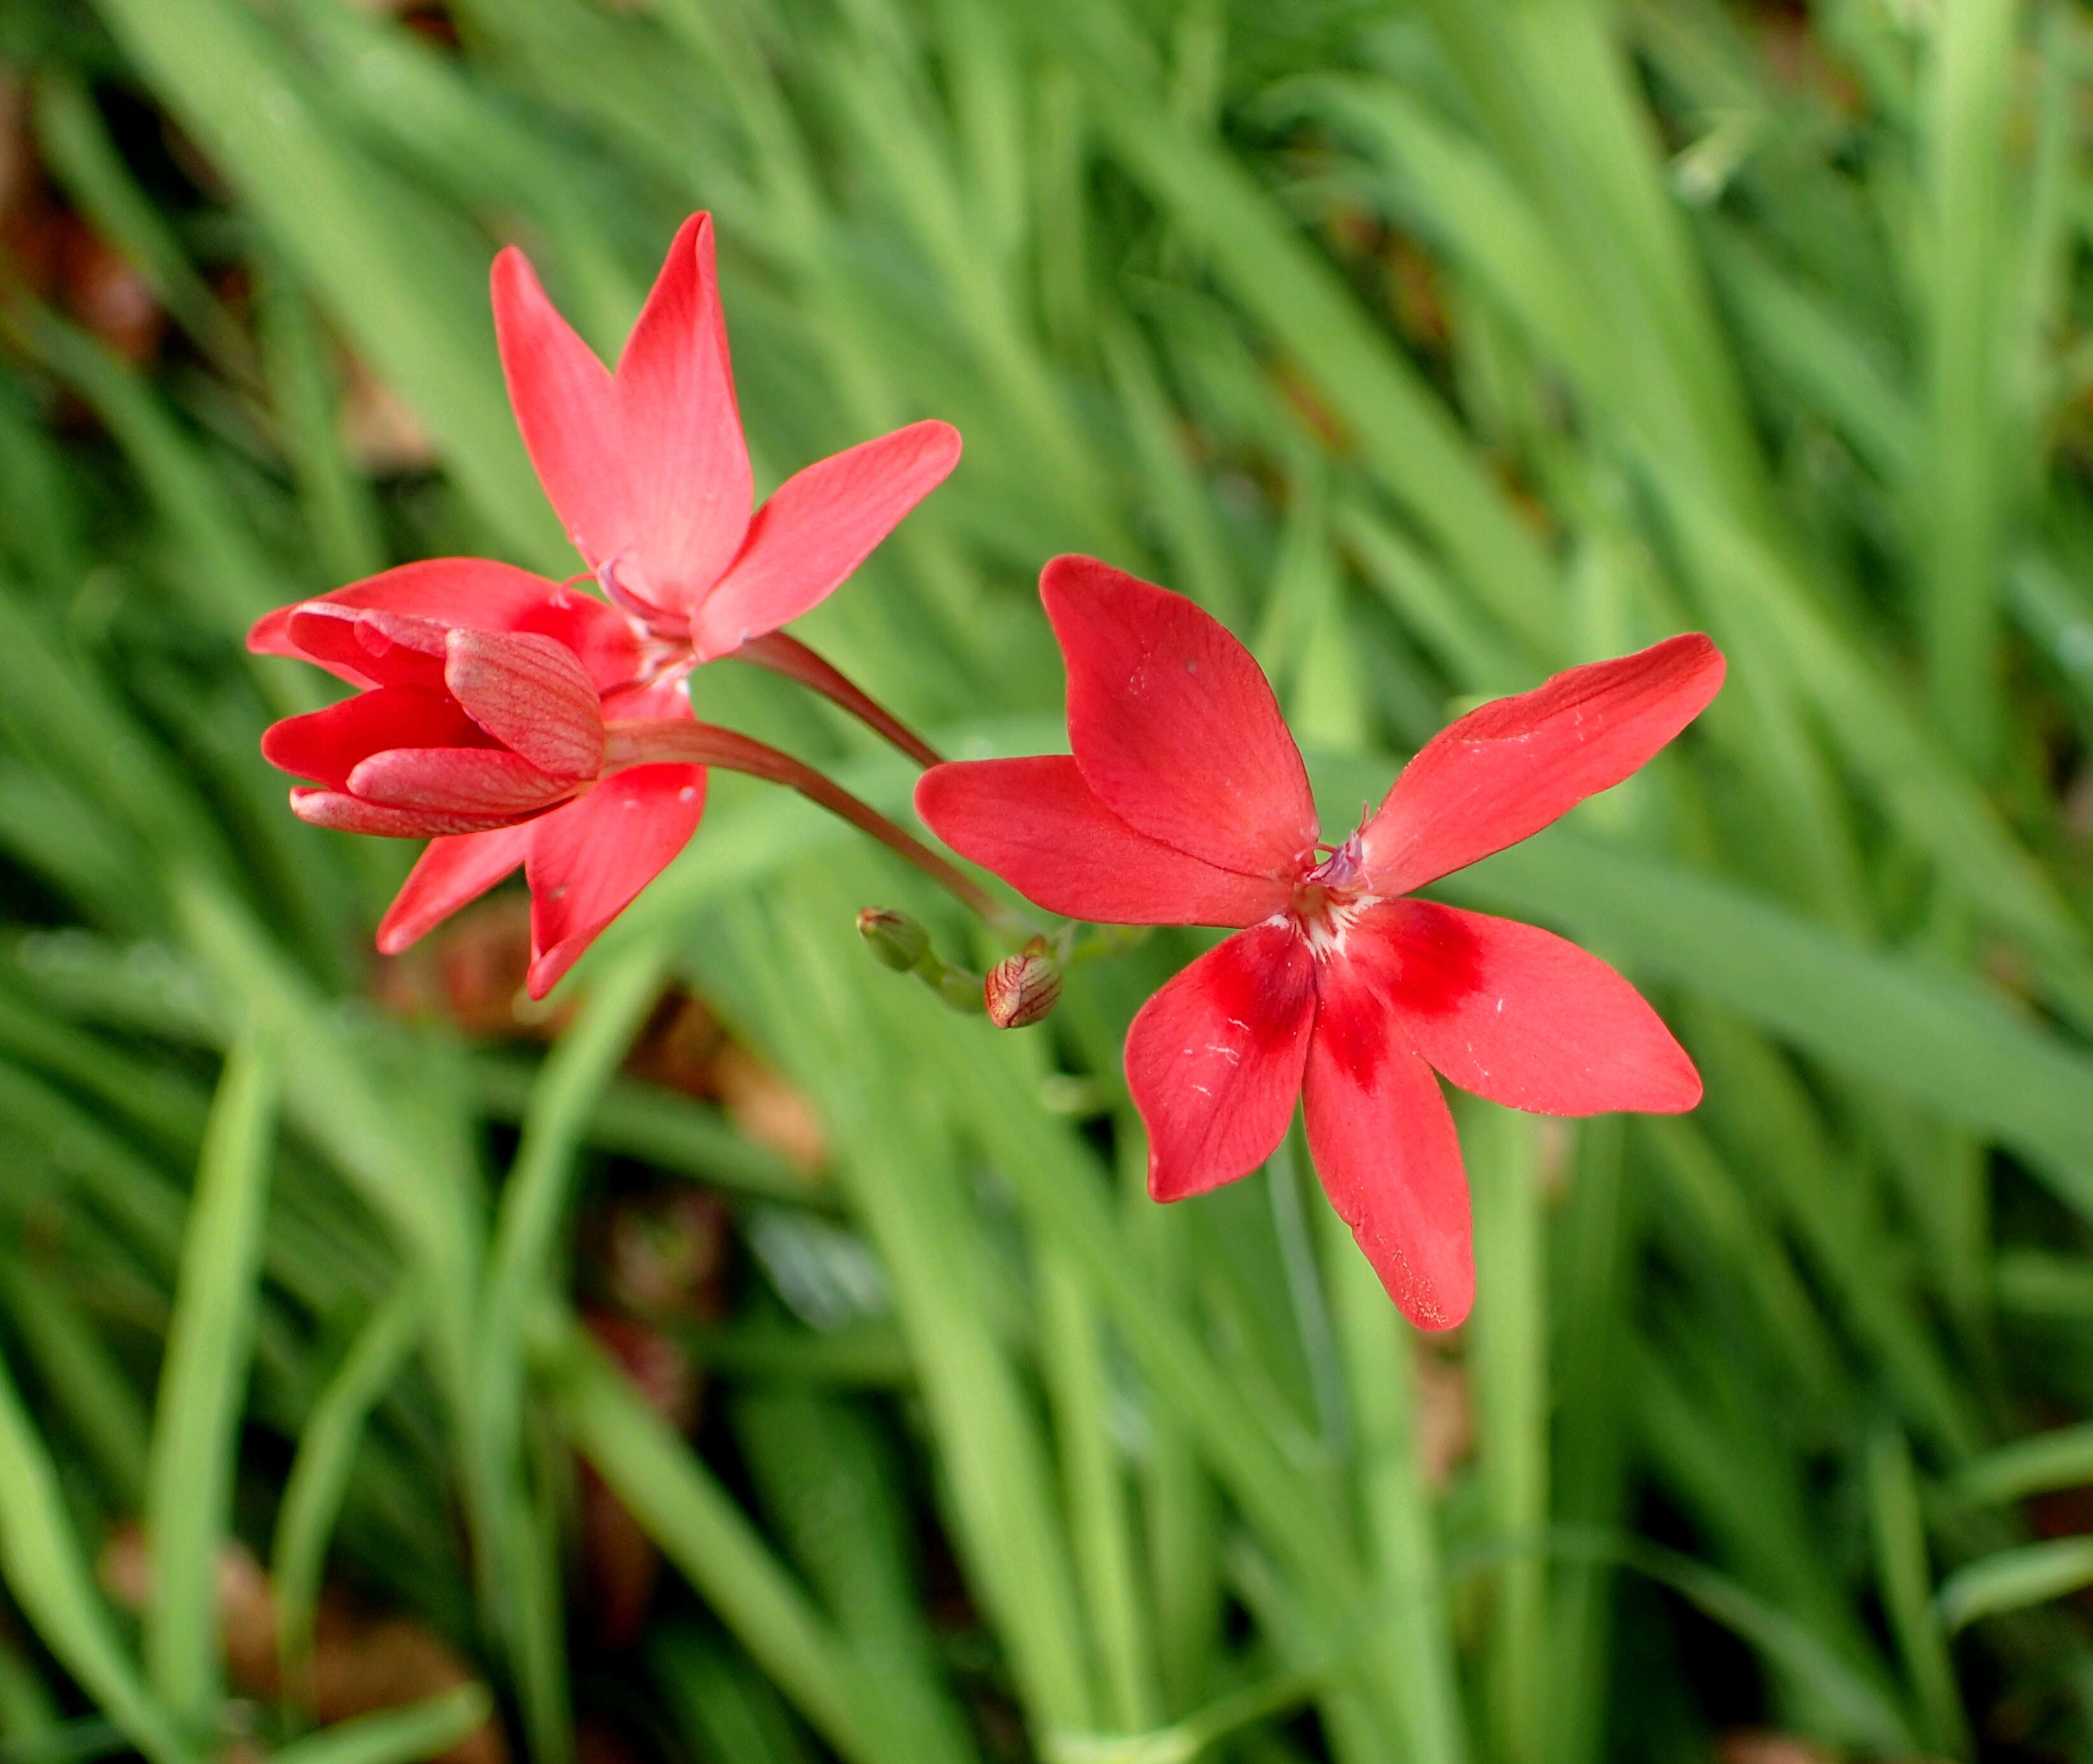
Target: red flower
column 649, row 470
column 486, row 693
column 1185, row 803
column 650, row 474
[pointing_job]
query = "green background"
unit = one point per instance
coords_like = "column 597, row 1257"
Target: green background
column 1434, row 346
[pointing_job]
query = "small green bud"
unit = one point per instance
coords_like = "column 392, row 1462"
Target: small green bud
column 896, row 940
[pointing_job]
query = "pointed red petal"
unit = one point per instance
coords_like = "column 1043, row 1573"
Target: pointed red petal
column 1518, row 1015
column 819, row 526
column 531, row 695
column 391, row 648
column 1385, row 1150
column 1214, row 1059
column 588, row 861
column 566, row 406
column 470, row 781
column 351, row 814
column 453, row 591
column 689, row 489
column 1504, row 771
column 1174, row 725
column 327, row 745
column 451, row 872
column 1036, row 824
column 649, row 470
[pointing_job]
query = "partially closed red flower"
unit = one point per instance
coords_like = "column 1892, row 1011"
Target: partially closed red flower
column 481, row 726
column 650, row 474
column 1184, row 802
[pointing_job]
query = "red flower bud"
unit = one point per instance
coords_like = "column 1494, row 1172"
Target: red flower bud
column 1022, row 989
column 463, row 730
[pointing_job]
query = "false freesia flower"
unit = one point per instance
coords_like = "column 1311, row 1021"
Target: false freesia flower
column 650, row 475
column 1185, row 803
column 490, row 700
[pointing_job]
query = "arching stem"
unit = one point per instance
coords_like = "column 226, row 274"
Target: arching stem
column 793, row 659
column 674, row 741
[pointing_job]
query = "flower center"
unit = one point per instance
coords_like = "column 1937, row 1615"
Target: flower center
column 1329, row 897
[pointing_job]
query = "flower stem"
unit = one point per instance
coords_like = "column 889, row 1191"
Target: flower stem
column 673, row 741
column 793, row 659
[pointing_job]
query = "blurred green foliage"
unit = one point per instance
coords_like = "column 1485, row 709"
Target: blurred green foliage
column 1435, row 344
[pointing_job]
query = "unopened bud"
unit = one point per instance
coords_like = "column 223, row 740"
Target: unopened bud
column 1021, row 988
column 896, row 940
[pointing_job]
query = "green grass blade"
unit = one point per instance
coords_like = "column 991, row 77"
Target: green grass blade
column 671, row 1132
column 701, row 1529
column 319, row 1477
column 1905, row 1577
column 521, row 1265
column 82, row 1375
column 1095, row 1481
column 1967, row 264
column 1509, row 1363
column 47, row 1572
column 828, row 1483
column 403, row 1735
column 404, row 279
column 2014, row 1580
column 2061, row 1459
column 1417, row 1662
column 189, row 1473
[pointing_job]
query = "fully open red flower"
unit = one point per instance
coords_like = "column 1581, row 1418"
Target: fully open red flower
column 1185, row 803
column 486, row 691
column 650, row 474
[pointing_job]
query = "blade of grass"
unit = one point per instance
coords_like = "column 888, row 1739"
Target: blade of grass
column 1905, row 1577
column 48, row 1574
column 195, row 1448
column 1509, row 1365
column 1410, row 442
column 400, row 277
column 1072, row 1349
column 1592, row 1284
column 81, row 1375
column 668, row 1131
column 405, row 1736
column 915, row 1207
column 701, row 1529
column 77, row 146
column 1966, row 266
column 313, row 1491
column 2014, row 1580
column 2061, row 1459
column 1402, row 1529
column 829, row 1486
column 522, row 1266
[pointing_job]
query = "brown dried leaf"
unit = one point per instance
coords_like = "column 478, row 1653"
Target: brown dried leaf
column 1446, row 1418
column 768, row 1110
column 469, row 974
column 361, row 1664
column 378, row 426
column 1746, row 1746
